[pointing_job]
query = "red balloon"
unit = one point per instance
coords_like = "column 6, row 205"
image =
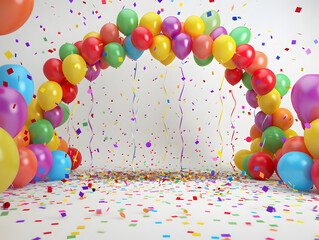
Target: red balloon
column 76, row 157
column 141, row 38
column 261, row 166
column 244, row 56
column 103, row 64
column 263, row 81
column 52, row 69
column 109, row 33
column 295, row 144
column 78, row 45
column 278, row 155
column 28, row 167
column 69, row 92
column 92, row 49
column 315, row 174
column 202, row 46
column 233, row 76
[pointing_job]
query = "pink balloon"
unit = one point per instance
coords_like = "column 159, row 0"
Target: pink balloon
column 93, row 72
column 182, row 45
column 54, row 116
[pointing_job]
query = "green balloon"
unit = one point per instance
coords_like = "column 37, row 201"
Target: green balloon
column 245, row 164
column 241, row 35
column 127, row 21
column 66, row 112
column 247, row 81
column 282, row 84
column 41, row 131
column 67, row 49
column 211, row 20
column 273, row 138
column 114, row 54
column 204, row 62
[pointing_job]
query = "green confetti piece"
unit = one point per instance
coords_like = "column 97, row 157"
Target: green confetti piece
column 260, row 221
column 232, row 223
column 71, row 236
column 4, row 213
column 216, row 220
column 104, row 221
column 132, row 225
column 85, row 124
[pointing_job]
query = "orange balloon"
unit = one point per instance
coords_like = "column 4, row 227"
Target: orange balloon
column 260, row 61
column 63, row 146
column 255, row 132
column 202, row 46
column 282, row 118
column 28, row 167
column 13, row 14
column 182, row 27
column 295, row 144
column 23, row 137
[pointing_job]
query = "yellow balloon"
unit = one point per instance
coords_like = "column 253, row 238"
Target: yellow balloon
column 92, row 34
column 290, row 133
column 161, row 47
column 269, row 102
column 9, row 160
column 169, row 59
column 74, row 68
column 255, row 147
column 194, row 26
column 224, row 48
column 54, row 142
column 152, row 21
column 229, row 64
column 239, row 156
column 49, row 94
column 311, row 138
column 35, row 112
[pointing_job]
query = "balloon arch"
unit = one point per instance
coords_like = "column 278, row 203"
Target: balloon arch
column 31, row 149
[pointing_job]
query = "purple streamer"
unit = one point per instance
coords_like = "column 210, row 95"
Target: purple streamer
column 89, row 122
column 181, row 121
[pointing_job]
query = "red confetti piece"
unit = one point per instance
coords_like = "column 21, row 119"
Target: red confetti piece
column 298, row 10
column 9, row 71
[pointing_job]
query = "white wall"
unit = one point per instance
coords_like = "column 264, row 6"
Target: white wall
column 272, row 22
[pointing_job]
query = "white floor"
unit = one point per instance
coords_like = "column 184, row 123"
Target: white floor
column 222, row 208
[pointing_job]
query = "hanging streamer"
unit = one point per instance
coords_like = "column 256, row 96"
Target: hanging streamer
column 233, row 127
column 134, row 117
column 220, row 152
column 163, row 117
column 89, row 122
column 181, row 121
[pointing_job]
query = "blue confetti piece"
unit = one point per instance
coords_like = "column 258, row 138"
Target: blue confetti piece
column 41, row 170
column 234, row 18
column 209, row 14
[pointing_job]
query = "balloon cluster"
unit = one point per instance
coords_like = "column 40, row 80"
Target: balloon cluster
column 274, row 146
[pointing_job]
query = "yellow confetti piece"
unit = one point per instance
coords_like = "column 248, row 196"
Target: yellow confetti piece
column 181, row 4
column 75, row 233
column 120, row 59
column 220, row 154
column 42, row 90
column 185, row 211
column 65, row 200
column 261, row 175
column 8, row 54
column 94, row 68
column 133, row 90
column 196, row 234
column 302, row 69
column 299, row 221
column 200, row 223
column 244, row 4
column 100, row 231
column 185, row 223
column 81, row 227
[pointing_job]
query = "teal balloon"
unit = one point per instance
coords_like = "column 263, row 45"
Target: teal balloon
column 127, row 21
column 245, row 164
column 273, row 138
column 294, row 168
column 67, row 49
column 114, row 54
column 211, row 20
column 41, row 131
column 241, row 35
column 131, row 51
column 205, row 62
column 247, row 81
column 61, row 165
column 66, row 112
column 282, row 84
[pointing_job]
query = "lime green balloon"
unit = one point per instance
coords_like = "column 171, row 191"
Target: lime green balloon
column 273, row 138
column 66, row 113
column 67, row 49
column 114, row 54
column 241, row 35
column 204, row 62
column 41, row 131
column 211, row 20
column 127, row 21
column 282, row 84
column 245, row 164
column 247, row 81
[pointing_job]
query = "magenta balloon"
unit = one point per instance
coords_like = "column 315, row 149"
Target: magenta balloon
column 93, row 72
column 13, row 110
column 218, row 32
column 251, row 97
column 54, row 116
column 171, row 26
column 182, row 45
column 260, row 121
column 305, row 98
column 44, row 159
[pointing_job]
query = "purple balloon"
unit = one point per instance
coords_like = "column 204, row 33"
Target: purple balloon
column 44, row 159
column 182, row 45
column 251, row 97
column 171, row 26
column 92, row 73
column 263, row 121
column 218, row 32
column 305, row 98
column 13, row 110
column 54, row 116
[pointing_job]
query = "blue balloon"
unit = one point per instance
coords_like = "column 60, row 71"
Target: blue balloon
column 17, row 77
column 131, row 51
column 294, row 168
column 61, row 166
